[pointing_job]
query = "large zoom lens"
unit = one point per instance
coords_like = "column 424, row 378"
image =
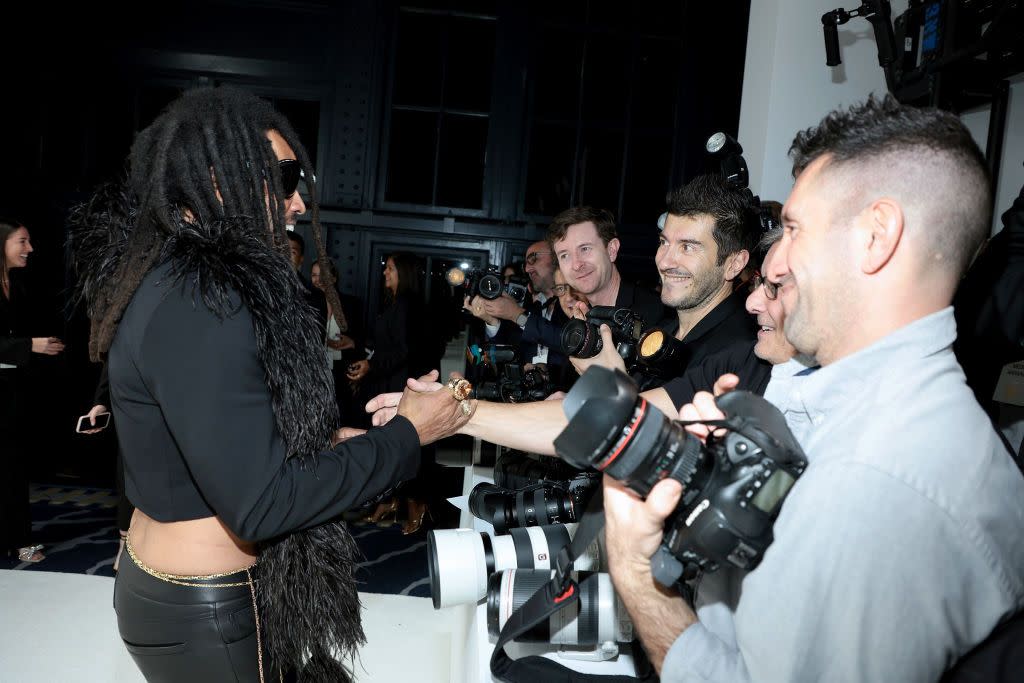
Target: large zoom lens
column 490, row 286
column 613, row 429
column 598, row 616
column 531, row 506
column 581, row 339
column 462, row 559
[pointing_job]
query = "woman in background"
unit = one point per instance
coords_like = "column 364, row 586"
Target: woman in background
column 344, row 341
column 405, row 344
column 125, row 510
column 16, row 348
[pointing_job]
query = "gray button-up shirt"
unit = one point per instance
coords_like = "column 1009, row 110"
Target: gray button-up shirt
column 899, row 549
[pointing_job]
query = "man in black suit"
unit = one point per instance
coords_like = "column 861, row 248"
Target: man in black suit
column 535, row 329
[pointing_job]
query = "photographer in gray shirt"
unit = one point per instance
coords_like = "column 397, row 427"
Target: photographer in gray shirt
column 899, row 549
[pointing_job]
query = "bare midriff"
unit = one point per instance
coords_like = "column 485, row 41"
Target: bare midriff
column 193, row 548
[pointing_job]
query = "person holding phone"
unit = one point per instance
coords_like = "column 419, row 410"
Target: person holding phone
column 16, row 349
column 93, row 422
column 404, row 345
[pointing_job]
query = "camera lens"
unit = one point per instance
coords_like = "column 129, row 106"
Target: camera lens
column 622, row 434
column 581, row 339
column 504, row 509
column 502, row 353
column 662, row 354
column 460, row 560
column 487, row 391
column 652, row 343
column 598, row 617
column 490, row 286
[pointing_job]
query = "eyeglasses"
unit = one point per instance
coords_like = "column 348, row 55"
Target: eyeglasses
column 291, row 173
column 771, row 289
column 562, row 290
column 535, row 256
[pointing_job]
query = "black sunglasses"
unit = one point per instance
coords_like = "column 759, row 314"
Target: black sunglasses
column 291, row 173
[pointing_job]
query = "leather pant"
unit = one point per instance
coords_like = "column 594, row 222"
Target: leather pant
column 189, row 633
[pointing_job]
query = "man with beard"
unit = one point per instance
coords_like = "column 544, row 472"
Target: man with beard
column 585, row 244
column 702, row 250
column 746, row 365
column 898, row 550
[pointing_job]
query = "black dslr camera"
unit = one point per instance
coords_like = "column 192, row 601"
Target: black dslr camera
column 488, row 283
column 733, row 487
column 516, row 385
column 582, row 338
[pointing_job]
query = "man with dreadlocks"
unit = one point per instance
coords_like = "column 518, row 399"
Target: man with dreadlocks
column 225, row 407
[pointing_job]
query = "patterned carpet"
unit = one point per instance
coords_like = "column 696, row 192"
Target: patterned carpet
column 78, row 527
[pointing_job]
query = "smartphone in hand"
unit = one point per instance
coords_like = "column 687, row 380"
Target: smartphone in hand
column 102, row 420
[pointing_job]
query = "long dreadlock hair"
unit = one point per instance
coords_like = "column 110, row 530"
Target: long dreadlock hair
column 204, row 191
column 207, row 134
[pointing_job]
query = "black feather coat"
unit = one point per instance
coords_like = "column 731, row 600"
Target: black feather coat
column 309, row 606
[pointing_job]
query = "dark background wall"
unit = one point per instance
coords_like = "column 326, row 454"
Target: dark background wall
column 451, row 129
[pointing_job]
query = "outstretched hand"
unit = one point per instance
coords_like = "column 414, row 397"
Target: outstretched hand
column 383, row 407
column 432, row 409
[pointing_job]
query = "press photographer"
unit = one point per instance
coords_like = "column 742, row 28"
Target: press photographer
column 533, row 427
column 488, row 283
column 534, row 327
column 706, row 237
column 907, row 508
column 536, row 425
column 734, row 485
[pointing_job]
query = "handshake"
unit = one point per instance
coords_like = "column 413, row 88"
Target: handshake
column 435, row 410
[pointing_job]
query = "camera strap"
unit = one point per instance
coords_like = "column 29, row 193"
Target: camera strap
column 561, row 591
